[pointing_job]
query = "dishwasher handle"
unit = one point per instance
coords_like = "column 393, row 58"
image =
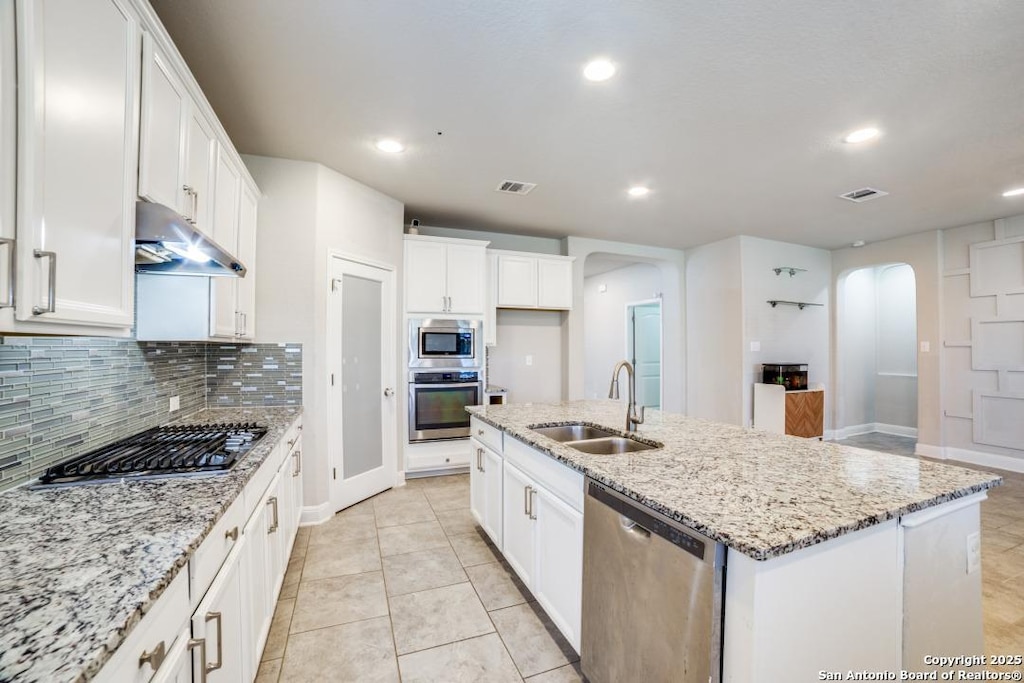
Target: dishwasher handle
column 634, row 529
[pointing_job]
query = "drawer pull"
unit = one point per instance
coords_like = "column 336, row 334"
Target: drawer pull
column 154, row 657
column 479, row 432
column 216, row 616
column 201, row 644
column 233, row 534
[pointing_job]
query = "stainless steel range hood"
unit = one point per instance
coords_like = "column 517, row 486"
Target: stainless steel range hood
column 165, row 242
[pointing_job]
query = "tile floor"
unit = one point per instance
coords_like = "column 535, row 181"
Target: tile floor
column 1002, row 549
column 403, row 587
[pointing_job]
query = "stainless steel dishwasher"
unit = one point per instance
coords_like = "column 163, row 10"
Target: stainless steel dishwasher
column 652, row 595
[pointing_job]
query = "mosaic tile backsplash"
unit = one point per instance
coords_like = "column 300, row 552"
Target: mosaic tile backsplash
column 61, row 396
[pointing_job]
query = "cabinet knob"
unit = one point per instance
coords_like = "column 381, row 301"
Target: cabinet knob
column 232, row 534
column 154, row 657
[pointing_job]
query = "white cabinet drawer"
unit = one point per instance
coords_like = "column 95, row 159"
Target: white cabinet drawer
column 561, row 480
column 210, row 555
column 492, row 437
column 155, row 635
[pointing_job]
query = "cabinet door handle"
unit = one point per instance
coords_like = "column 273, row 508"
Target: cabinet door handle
column 51, row 286
column 479, row 455
column 273, row 502
column 297, row 455
column 526, row 500
column 201, row 644
column 190, row 193
column 533, row 513
column 154, row 657
column 232, row 534
column 216, row 616
column 245, row 324
column 11, row 263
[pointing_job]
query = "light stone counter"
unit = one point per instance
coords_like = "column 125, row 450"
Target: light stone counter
column 759, row 493
column 79, row 566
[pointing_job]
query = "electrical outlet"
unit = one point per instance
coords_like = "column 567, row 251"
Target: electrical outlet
column 755, row 346
column 974, row 552
column 529, row 360
column 175, row 403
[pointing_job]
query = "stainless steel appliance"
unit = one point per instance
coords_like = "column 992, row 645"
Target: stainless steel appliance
column 167, row 242
column 438, row 401
column 652, row 595
column 440, row 343
column 159, row 452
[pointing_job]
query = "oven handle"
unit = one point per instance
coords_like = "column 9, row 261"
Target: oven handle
column 446, row 386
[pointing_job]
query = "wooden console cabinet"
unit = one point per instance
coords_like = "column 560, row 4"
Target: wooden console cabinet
column 797, row 413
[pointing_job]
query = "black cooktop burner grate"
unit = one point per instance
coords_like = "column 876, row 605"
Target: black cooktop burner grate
column 161, row 451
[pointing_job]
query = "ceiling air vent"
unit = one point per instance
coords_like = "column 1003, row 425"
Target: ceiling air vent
column 863, row 194
column 515, row 187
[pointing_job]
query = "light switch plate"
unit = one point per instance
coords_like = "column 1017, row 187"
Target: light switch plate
column 926, row 347
column 175, row 404
column 974, row 552
column 529, row 360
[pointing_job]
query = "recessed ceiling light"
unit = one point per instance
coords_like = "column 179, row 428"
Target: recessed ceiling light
column 861, row 135
column 599, row 70
column 1016, row 192
column 858, row 243
column 639, row 191
column 390, row 146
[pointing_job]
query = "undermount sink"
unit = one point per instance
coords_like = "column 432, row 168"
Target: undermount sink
column 580, row 432
column 610, row 445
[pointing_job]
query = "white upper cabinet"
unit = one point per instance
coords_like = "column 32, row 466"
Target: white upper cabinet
column 8, row 154
column 445, row 275
column 163, row 126
column 245, row 295
column 200, row 163
column 223, row 290
column 79, row 75
column 527, row 280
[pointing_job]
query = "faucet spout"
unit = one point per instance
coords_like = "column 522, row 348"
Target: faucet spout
column 632, row 418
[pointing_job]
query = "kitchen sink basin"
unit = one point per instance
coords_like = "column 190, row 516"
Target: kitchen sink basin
column 611, row 445
column 564, row 433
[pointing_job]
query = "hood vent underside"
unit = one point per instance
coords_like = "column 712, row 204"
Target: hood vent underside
column 166, row 242
column 863, row 194
column 515, row 187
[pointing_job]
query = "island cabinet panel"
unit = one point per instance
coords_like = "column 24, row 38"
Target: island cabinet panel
column 485, row 489
column 558, row 577
column 835, row 606
column 177, row 668
column 518, row 527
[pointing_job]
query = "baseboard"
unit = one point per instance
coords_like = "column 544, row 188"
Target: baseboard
column 929, row 451
column 994, row 460
column 895, row 430
column 852, row 430
column 436, row 472
column 400, row 478
column 316, row 514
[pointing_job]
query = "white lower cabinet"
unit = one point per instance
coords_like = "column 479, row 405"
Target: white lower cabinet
column 543, row 543
column 177, row 668
column 485, row 490
column 220, row 624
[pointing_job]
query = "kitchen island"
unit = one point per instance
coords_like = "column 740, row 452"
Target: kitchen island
column 837, row 558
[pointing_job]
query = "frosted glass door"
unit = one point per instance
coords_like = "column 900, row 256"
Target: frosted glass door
column 361, row 406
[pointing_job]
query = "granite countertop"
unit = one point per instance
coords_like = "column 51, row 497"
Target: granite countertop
column 760, row 493
column 80, row 565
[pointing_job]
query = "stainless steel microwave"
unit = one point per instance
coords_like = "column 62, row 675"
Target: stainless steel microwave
column 440, row 343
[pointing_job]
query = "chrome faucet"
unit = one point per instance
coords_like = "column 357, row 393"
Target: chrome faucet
column 632, row 419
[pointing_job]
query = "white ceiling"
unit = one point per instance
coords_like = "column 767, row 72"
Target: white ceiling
column 730, row 111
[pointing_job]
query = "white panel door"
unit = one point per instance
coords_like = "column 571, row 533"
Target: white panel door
column 554, row 283
column 477, row 483
column 256, row 585
column 517, row 281
column 466, row 281
column 79, row 63
column 558, row 581
column 220, row 622
column 362, row 405
column 518, row 528
column 246, row 286
column 425, row 277
column 200, row 167
column 493, row 476
column 227, row 194
column 275, row 505
column 164, row 120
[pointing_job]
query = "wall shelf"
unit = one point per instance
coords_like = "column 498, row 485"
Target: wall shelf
column 779, row 270
column 798, row 304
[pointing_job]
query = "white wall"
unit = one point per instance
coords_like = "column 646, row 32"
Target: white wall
column 786, row 334
column 896, row 382
column 714, row 331
column 856, row 353
column 604, row 319
column 671, row 264
column 306, row 211
column 523, row 333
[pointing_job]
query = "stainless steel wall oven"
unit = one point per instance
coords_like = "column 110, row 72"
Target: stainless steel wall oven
column 437, row 403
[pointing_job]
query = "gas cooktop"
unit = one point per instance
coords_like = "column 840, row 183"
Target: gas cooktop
column 160, row 452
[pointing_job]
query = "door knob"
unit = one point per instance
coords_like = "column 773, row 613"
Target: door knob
column 389, row 392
